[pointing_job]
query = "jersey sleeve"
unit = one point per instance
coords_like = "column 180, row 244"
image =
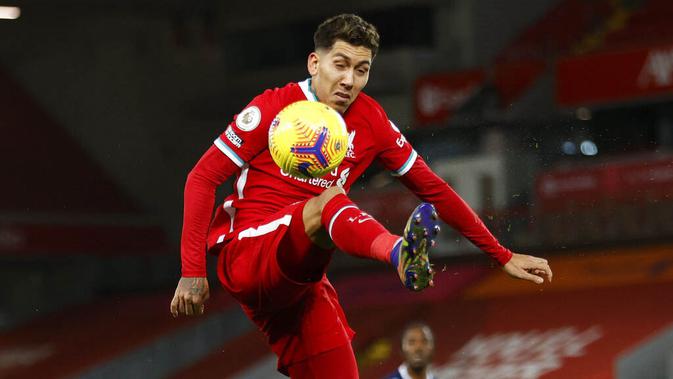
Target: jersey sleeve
column 248, row 134
column 452, row 209
column 244, row 138
column 395, row 153
column 398, row 156
column 212, row 170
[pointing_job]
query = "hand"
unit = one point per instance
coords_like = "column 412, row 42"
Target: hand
column 190, row 296
column 528, row 268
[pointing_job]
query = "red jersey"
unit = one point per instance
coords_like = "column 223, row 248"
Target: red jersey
column 261, row 188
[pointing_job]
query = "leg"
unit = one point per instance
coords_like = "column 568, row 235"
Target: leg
column 306, row 248
column 336, row 363
column 308, row 328
column 312, row 217
column 333, row 216
column 302, row 258
column 300, row 319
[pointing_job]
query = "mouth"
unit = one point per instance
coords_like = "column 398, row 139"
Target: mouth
column 343, row 96
column 417, row 357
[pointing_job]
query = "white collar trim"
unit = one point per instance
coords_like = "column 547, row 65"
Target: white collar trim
column 404, row 372
column 306, row 89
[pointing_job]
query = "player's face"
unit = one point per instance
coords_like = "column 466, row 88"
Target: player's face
column 339, row 74
column 417, row 347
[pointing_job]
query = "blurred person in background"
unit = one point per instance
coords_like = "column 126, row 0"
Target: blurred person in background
column 418, row 349
column 275, row 234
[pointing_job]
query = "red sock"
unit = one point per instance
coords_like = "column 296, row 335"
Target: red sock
column 356, row 232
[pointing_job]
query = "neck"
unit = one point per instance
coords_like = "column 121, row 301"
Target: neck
column 311, row 87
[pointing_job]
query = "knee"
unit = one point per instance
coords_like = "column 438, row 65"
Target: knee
column 314, row 206
column 312, row 215
column 328, row 195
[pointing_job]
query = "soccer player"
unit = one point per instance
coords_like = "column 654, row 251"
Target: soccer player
column 274, row 235
column 418, row 347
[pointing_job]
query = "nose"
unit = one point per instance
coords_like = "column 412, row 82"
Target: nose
column 347, row 79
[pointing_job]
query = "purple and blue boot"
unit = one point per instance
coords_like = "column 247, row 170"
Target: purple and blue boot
column 410, row 254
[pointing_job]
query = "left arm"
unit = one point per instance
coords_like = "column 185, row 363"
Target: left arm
column 397, row 155
column 453, row 210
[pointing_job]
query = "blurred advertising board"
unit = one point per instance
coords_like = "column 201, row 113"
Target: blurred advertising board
column 629, row 180
column 599, row 307
column 512, row 79
column 599, row 269
column 615, row 76
column 438, row 96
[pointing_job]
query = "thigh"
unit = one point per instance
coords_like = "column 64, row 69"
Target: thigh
column 298, row 257
column 310, row 327
column 338, row 363
column 251, row 270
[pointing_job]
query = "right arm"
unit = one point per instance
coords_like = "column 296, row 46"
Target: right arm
column 243, row 139
column 212, row 170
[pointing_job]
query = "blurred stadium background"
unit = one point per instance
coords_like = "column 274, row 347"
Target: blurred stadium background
column 552, row 118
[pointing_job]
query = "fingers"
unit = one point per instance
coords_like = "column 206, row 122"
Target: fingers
column 181, row 305
column 189, row 310
column 191, row 307
column 530, row 277
column 185, row 305
column 541, row 268
column 174, row 306
column 190, row 296
column 194, row 307
column 547, row 271
column 529, row 268
column 539, row 272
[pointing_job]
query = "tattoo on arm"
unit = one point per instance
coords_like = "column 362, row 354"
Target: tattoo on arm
column 196, row 286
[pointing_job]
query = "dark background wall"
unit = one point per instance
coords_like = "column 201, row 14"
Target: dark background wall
column 146, row 86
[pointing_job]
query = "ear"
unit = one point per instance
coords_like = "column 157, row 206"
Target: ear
column 312, row 63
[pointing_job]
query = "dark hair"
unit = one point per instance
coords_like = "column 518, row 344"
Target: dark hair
column 348, row 28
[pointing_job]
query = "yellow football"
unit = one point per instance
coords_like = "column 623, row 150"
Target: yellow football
column 308, row 139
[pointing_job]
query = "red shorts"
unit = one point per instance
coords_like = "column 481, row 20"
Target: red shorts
column 299, row 319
